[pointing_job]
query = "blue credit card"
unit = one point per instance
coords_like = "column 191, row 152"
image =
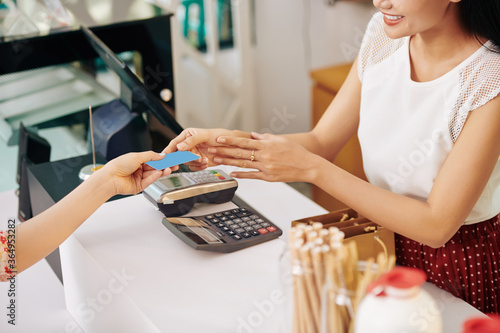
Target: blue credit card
column 172, row 159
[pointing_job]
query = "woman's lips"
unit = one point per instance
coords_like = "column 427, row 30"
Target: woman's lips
column 392, row 19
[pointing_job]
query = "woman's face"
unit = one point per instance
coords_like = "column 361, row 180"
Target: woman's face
column 410, row 17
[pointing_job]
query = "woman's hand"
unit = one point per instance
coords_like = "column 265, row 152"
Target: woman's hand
column 275, row 157
column 198, row 141
column 129, row 174
column 126, row 174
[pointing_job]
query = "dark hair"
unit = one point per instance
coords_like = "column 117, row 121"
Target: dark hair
column 482, row 19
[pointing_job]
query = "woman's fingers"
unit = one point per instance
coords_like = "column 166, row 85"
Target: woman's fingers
column 172, row 145
column 146, row 156
column 187, row 140
column 127, row 164
column 242, row 163
column 239, row 142
column 234, row 152
column 259, row 136
column 198, row 165
column 248, row 174
column 149, row 177
column 195, row 137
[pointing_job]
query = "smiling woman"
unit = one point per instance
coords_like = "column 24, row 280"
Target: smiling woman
column 406, row 18
column 423, row 98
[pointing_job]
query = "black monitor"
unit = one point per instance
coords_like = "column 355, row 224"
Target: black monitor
column 33, row 149
column 134, row 93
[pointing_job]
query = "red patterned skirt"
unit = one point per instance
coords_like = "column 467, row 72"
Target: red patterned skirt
column 467, row 265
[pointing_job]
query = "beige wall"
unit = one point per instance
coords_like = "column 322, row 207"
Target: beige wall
column 284, row 59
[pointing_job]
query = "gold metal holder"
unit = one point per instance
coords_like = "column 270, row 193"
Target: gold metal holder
column 88, row 170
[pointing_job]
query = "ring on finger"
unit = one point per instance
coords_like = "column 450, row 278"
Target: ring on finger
column 252, row 157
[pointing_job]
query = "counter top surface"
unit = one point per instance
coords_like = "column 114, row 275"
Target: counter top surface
column 123, row 267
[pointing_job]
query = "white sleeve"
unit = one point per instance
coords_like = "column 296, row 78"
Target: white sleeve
column 376, row 46
column 479, row 83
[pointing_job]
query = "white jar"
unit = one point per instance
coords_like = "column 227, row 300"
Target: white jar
column 396, row 303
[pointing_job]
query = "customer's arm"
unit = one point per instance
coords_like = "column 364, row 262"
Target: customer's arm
column 39, row 236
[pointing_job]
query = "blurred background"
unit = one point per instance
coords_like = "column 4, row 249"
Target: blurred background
column 245, row 64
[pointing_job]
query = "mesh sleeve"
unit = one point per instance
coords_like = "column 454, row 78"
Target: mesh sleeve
column 376, row 46
column 479, row 83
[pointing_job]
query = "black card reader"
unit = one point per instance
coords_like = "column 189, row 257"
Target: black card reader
column 177, row 193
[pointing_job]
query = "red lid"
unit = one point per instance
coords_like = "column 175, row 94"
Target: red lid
column 482, row 325
column 399, row 277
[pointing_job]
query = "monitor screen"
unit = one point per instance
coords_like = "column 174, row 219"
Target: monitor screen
column 137, row 97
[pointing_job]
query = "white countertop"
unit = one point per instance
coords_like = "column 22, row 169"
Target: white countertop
column 124, row 271
column 170, row 287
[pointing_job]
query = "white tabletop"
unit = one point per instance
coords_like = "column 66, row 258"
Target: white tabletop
column 124, row 271
column 169, row 286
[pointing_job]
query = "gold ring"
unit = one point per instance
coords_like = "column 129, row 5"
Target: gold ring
column 252, row 157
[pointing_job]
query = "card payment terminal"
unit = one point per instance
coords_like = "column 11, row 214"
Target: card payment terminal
column 222, row 231
column 177, row 193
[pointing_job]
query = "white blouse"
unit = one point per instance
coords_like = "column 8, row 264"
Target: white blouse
column 408, row 128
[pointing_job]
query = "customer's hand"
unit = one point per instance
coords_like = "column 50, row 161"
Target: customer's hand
column 275, row 157
column 128, row 173
column 197, row 141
